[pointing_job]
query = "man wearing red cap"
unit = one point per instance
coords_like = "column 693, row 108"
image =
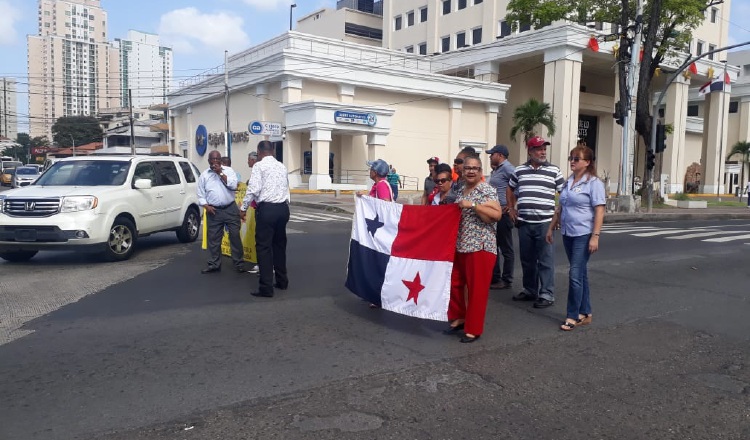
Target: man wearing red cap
column 531, row 204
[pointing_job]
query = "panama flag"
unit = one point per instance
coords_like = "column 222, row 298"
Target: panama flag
column 714, row 85
column 401, row 256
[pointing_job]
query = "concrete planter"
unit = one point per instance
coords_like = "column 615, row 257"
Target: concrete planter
column 690, row 204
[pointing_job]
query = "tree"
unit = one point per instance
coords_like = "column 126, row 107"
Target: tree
column 39, row 141
column 23, row 139
column 666, row 32
column 743, row 149
column 17, row 152
column 76, row 129
column 529, row 115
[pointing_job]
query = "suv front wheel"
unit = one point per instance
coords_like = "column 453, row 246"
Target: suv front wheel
column 121, row 241
column 188, row 232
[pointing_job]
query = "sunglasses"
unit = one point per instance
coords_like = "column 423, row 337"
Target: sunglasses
column 441, row 181
column 470, row 169
column 458, row 161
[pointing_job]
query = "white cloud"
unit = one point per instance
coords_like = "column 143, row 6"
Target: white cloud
column 268, row 4
column 189, row 30
column 9, row 16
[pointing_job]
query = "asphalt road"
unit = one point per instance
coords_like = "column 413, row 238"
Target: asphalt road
column 152, row 349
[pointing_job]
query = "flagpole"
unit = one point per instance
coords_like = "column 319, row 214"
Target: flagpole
column 721, row 133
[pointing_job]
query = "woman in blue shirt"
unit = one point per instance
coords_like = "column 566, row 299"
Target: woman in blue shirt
column 579, row 215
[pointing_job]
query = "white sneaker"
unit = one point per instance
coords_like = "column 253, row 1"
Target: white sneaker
column 255, row 269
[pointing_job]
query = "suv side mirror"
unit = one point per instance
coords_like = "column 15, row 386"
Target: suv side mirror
column 142, row 184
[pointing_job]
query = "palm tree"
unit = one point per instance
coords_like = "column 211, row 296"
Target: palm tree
column 743, row 149
column 527, row 116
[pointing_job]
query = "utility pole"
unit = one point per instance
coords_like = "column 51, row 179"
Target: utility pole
column 74, row 145
column 5, row 107
column 721, row 134
column 291, row 8
column 626, row 199
column 227, row 133
column 132, row 128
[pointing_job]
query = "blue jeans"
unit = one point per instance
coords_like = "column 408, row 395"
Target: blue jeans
column 537, row 260
column 579, row 301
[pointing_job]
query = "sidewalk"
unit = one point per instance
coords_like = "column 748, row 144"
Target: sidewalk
column 344, row 202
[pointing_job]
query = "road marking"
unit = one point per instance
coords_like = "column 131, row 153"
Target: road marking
column 625, row 231
column 317, row 218
column 671, row 231
column 704, row 234
column 725, row 239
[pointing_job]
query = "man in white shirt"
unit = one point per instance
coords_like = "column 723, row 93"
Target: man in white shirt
column 269, row 189
column 216, row 187
column 747, row 193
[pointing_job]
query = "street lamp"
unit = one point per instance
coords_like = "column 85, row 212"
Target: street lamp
column 74, row 145
column 291, row 9
column 721, row 131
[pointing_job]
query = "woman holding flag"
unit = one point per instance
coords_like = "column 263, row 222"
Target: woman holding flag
column 476, row 252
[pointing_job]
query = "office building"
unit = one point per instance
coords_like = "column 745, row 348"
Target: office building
column 8, row 109
column 146, row 69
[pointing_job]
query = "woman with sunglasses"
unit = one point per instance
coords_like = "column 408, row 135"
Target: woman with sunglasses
column 443, row 182
column 580, row 215
column 476, row 252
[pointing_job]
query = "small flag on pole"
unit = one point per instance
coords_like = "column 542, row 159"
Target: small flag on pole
column 693, row 69
column 593, row 44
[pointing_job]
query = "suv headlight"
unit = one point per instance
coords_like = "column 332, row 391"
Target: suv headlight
column 78, row 203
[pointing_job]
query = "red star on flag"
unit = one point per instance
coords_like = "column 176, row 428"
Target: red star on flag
column 414, row 287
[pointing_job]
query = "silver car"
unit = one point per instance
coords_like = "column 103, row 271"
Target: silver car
column 25, row 176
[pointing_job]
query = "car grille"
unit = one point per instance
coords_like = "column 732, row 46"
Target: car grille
column 31, row 207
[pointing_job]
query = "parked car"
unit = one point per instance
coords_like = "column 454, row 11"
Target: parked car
column 36, row 166
column 25, row 175
column 100, row 204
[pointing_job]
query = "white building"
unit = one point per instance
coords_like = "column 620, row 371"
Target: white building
column 146, row 69
column 443, row 61
column 73, row 71
column 8, row 109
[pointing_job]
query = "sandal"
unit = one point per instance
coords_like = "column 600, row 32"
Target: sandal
column 585, row 320
column 568, row 326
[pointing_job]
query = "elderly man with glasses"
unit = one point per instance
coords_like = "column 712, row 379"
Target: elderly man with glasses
column 535, row 182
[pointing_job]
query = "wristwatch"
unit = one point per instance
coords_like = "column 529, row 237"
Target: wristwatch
column 222, row 174
column 474, row 206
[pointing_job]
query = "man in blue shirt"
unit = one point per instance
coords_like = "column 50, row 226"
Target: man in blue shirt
column 502, row 169
column 216, row 187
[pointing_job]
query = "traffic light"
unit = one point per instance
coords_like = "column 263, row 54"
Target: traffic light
column 661, row 138
column 619, row 117
column 650, row 159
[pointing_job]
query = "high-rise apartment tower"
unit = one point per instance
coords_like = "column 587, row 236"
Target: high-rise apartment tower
column 146, row 69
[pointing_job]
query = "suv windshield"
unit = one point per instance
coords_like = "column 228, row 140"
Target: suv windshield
column 86, row 173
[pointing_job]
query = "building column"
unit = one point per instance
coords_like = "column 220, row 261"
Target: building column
column 346, row 93
column 714, row 139
column 293, row 158
column 562, row 84
column 744, row 134
column 261, row 93
column 291, row 90
column 673, row 158
column 487, row 71
column 375, row 146
column 454, row 127
column 321, row 147
column 490, row 133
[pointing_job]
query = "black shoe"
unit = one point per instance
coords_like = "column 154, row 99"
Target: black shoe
column 523, row 296
column 500, row 285
column 210, row 269
column 453, row 330
column 468, row 340
column 261, row 295
column 542, row 303
column 280, row 287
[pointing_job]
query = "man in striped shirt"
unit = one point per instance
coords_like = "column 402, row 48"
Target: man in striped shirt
column 531, row 204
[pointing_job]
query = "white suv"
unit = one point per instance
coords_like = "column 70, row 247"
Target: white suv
column 101, row 204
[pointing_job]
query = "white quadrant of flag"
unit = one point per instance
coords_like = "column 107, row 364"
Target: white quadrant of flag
column 417, row 288
column 387, row 213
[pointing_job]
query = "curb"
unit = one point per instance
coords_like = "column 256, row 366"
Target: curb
column 321, row 207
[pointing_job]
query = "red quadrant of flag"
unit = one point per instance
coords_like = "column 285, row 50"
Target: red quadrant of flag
column 427, row 232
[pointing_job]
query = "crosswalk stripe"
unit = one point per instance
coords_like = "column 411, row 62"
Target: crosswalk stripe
column 704, row 234
column 334, row 217
column 654, row 234
column 318, row 218
column 725, row 239
column 625, row 231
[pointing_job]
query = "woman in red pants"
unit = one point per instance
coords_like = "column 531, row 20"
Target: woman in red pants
column 476, row 252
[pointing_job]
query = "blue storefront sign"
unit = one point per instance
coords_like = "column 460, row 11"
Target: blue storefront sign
column 359, row 118
column 201, row 140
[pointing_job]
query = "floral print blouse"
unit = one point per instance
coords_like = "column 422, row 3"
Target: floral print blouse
column 474, row 235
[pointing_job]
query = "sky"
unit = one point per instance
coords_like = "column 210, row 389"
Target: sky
column 198, row 31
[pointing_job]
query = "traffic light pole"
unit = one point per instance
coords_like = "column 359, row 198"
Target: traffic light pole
column 657, row 104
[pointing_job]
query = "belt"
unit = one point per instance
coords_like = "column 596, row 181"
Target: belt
column 271, row 203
